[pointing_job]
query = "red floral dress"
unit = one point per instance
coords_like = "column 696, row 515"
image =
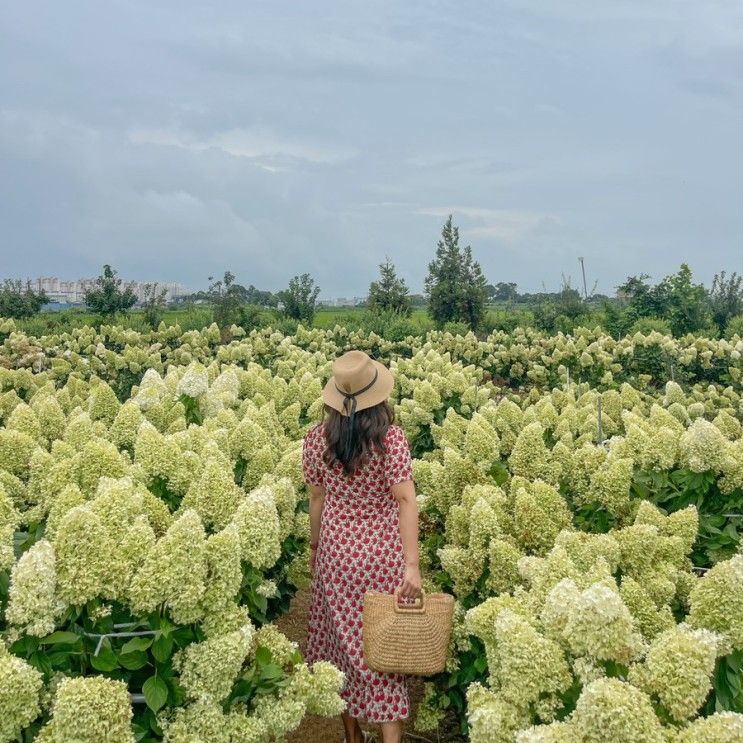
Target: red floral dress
column 359, row 550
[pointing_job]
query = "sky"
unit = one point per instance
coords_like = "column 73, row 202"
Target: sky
column 176, row 140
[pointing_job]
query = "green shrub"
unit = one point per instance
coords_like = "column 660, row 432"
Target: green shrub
column 734, row 327
column 646, row 325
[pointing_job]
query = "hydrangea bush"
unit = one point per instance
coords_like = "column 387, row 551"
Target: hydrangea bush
column 145, row 548
column 572, row 490
column 574, row 550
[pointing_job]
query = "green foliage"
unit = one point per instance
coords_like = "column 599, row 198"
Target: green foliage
column 227, row 298
column 390, row 293
column 719, row 521
column 456, row 327
column 503, row 291
column 19, row 301
column 455, row 284
column 391, row 325
column 675, row 298
column 563, row 312
column 726, row 299
column 300, row 298
column 508, row 319
column 646, row 325
column 153, row 304
column 734, row 327
column 107, row 298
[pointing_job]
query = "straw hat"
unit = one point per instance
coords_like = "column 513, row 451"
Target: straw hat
column 358, row 382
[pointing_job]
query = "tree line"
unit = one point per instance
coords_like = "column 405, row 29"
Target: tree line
column 457, row 297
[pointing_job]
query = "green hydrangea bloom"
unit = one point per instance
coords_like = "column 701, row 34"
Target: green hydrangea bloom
column 90, row 710
column 678, row 670
column 612, row 710
column 257, row 522
column 722, row 727
column 174, row 572
column 208, row 669
column 716, row 601
column 20, row 685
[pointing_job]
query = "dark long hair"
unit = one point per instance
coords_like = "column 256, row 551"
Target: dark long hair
column 369, row 430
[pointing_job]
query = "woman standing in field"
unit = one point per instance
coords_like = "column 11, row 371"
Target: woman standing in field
column 364, row 534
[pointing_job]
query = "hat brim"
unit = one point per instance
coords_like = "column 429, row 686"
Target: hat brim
column 379, row 392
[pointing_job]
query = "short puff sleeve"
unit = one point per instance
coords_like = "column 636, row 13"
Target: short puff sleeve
column 398, row 462
column 312, row 464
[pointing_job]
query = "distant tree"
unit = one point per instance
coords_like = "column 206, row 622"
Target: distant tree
column 643, row 298
column 455, row 285
column 561, row 310
column 227, row 297
column 614, row 320
column 390, row 293
column 300, row 298
column 153, row 304
column 107, row 297
column 726, row 298
column 675, row 298
column 504, row 291
column 687, row 303
column 19, row 301
column 260, row 297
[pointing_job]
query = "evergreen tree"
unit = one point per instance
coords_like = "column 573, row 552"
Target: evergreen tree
column 390, row 293
column 455, row 284
column 107, row 297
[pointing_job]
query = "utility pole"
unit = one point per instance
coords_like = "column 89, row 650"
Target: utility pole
column 583, row 268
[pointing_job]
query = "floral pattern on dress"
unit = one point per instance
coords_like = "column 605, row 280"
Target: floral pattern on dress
column 359, row 550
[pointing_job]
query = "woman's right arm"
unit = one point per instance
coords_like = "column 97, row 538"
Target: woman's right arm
column 404, row 494
column 317, row 502
column 314, row 481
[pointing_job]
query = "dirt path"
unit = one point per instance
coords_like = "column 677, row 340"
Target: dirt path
column 329, row 730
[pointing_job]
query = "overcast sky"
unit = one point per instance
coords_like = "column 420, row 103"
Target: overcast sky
column 179, row 139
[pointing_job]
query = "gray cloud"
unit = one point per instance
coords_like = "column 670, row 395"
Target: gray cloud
column 175, row 140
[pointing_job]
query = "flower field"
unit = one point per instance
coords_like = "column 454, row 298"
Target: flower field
column 580, row 496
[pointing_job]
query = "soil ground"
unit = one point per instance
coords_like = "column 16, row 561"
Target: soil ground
column 329, row 730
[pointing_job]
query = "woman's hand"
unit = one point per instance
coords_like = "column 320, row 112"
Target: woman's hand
column 313, row 558
column 410, row 588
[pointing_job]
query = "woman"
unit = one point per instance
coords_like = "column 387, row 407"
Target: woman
column 364, row 534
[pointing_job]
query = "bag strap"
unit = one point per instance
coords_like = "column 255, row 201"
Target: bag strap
column 418, row 608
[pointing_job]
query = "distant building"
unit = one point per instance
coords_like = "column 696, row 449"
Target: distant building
column 343, row 301
column 73, row 292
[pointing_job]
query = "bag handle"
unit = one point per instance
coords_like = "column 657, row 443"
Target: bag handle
column 418, row 608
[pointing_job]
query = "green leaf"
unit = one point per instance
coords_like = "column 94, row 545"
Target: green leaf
column 481, row 664
column 136, row 643
column 60, row 638
column 106, row 659
column 40, row 661
column 262, row 655
column 271, row 671
column 155, row 692
column 177, row 694
column 133, row 661
column 162, row 648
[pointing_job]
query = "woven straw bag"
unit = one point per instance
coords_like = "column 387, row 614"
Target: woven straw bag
column 410, row 639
